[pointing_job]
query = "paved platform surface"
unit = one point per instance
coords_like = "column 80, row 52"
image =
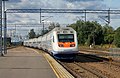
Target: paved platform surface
column 24, row 63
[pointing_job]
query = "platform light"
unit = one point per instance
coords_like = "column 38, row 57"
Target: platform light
column 60, row 45
column 72, row 45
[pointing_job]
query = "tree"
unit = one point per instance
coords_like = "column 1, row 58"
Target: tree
column 53, row 25
column 32, row 34
column 108, row 33
column 117, row 37
column 38, row 35
column 90, row 39
column 88, row 32
column 98, row 33
column 57, row 25
column 44, row 32
column 78, row 27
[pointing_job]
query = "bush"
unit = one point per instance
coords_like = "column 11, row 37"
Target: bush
column 117, row 37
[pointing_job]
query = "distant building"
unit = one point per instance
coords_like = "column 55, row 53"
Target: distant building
column 8, row 41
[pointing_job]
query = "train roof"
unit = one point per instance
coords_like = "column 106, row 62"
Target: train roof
column 62, row 28
column 55, row 29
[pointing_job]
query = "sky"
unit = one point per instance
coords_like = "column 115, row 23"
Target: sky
column 62, row 4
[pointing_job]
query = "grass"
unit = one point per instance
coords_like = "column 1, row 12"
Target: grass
column 104, row 47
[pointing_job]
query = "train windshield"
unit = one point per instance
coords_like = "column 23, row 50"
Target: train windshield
column 65, row 37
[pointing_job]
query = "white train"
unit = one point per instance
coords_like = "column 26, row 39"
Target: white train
column 59, row 42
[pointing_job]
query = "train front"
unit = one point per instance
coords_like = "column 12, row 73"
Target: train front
column 67, row 45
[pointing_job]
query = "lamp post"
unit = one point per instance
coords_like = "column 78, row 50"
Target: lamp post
column 43, row 26
column 43, row 21
column 45, row 18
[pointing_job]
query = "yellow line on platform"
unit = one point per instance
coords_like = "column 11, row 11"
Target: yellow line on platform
column 52, row 66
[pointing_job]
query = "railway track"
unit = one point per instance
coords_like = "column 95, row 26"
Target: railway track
column 80, row 67
column 73, row 71
column 91, row 66
column 80, row 70
column 106, row 60
column 92, row 70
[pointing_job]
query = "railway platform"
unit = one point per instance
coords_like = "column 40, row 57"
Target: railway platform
column 23, row 62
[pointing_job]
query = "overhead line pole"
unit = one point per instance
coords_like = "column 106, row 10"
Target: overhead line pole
column 1, row 28
column 85, row 15
column 5, row 31
column 40, row 15
column 109, row 16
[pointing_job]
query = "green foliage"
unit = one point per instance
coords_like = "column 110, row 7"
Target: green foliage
column 32, row 34
column 53, row 25
column 108, row 33
column 98, row 36
column 90, row 40
column 117, row 37
column 93, row 33
column 44, row 32
column 38, row 35
column 88, row 32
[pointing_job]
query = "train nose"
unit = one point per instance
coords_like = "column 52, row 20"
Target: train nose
column 66, row 44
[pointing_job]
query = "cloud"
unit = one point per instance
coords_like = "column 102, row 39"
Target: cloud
column 82, row 0
column 114, row 16
column 70, row 5
column 14, row 1
column 33, row 4
column 23, row 18
column 115, row 23
column 36, row 4
column 60, row 4
column 86, row 5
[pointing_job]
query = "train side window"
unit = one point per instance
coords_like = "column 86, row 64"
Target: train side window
column 53, row 38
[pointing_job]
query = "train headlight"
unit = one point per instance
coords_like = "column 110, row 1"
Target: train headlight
column 72, row 45
column 60, row 45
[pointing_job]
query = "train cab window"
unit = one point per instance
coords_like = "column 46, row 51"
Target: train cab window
column 66, row 37
column 53, row 38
